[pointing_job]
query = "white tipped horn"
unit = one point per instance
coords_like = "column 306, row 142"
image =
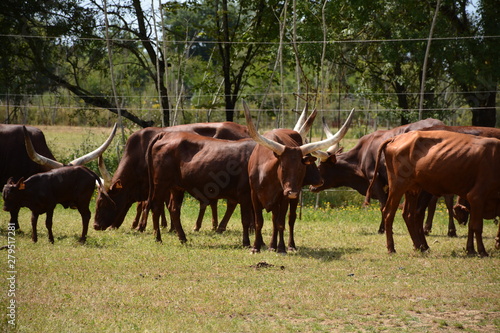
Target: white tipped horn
column 278, row 148
column 37, row 158
column 306, row 127
column 301, row 120
column 310, row 147
column 96, row 153
column 106, row 176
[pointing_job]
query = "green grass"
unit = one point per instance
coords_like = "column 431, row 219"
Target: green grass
column 340, row 279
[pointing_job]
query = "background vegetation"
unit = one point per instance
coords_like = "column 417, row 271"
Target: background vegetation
column 187, row 61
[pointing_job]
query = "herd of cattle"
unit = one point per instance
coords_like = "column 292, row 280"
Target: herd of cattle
column 212, row 161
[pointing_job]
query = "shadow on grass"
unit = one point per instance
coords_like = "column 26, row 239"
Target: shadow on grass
column 326, row 254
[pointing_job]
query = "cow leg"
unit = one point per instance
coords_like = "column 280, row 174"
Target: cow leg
column 156, row 206
column 389, row 213
column 292, row 217
column 164, row 223
column 85, row 213
column 259, row 223
column 34, row 220
column 279, row 218
column 138, row 213
column 174, row 207
column 14, row 218
column 411, row 217
column 476, row 229
column 422, row 201
column 48, row 224
column 215, row 217
column 452, row 230
column 144, row 214
column 247, row 217
column 231, row 206
column 431, row 210
column 201, row 214
column 381, row 228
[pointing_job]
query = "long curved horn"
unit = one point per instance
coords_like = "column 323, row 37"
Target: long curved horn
column 301, row 120
column 310, row 147
column 306, row 127
column 37, row 158
column 334, row 148
column 106, row 176
column 278, row 148
column 95, row 154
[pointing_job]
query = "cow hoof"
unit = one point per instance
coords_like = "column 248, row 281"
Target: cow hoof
column 483, row 254
column 82, row 240
column 292, row 249
column 381, row 231
column 427, row 232
column 452, row 233
column 497, row 244
column 220, row 231
column 255, row 250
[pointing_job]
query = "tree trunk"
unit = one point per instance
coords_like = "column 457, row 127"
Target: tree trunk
column 401, row 93
column 483, row 109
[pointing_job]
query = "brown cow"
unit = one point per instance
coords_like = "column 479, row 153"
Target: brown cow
column 70, row 186
column 277, row 169
column 441, row 162
column 130, row 183
column 207, row 168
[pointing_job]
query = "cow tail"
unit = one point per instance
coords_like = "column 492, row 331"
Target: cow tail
column 375, row 173
column 150, row 166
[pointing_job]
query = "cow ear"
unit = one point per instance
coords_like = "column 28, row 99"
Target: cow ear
column 10, row 181
column 20, row 184
column 333, row 158
column 308, row 159
column 117, row 185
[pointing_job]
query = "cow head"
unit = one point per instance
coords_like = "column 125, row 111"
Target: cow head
column 111, row 201
column 12, row 194
column 292, row 159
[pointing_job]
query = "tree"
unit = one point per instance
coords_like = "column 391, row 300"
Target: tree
column 473, row 62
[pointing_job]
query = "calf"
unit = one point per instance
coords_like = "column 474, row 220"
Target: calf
column 70, row 186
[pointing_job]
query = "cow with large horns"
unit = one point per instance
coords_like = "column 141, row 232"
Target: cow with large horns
column 439, row 163
column 130, row 182
column 16, row 162
column 277, row 168
column 207, row 168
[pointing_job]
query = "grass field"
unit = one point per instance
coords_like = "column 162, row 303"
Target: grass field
column 341, row 279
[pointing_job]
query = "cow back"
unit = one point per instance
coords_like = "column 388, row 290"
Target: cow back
column 14, row 160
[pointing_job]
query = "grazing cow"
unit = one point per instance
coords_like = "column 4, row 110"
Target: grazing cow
column 356, row 167
column 70, row 186
column 207, row 168
column 488, row 132
column 439, row 163
column 130, row 183
column 15, row 161
column 277, row 169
